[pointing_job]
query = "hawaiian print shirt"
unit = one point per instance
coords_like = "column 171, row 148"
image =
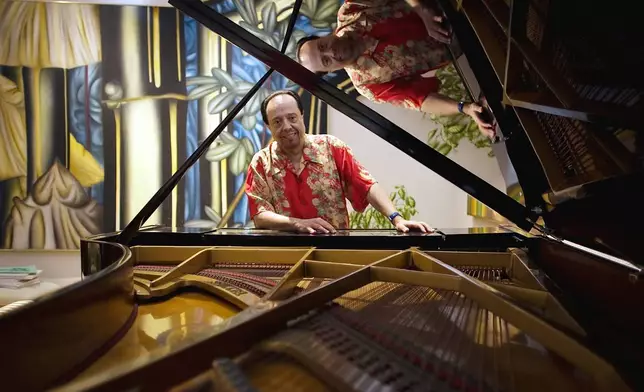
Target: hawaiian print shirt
column 330, row 175
column 399, row 51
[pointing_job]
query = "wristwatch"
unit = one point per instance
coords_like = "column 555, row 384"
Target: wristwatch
column 393, row 216
column 460, row 106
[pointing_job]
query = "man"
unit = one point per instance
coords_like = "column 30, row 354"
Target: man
column 391, row 50
column 300, row 182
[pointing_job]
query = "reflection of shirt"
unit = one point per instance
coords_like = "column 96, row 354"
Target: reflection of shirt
column 399, row 51
column 330, row 175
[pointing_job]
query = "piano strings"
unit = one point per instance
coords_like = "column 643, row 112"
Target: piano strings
column 486, row 274
column 256, row 278
column 396, row 337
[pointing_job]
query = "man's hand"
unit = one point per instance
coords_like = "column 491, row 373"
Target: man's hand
column 312, row 226
column 433, row 25
column 404, row 226
column 475, row 111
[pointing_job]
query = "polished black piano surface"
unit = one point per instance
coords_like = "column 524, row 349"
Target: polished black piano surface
column 476, row 238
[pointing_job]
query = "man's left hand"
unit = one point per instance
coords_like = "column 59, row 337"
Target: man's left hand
column 475, row 111
column 404, row 226
column 433, row 24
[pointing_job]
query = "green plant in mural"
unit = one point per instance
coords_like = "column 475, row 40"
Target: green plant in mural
column 453, row 129
column 265, row 26
column 404, row 203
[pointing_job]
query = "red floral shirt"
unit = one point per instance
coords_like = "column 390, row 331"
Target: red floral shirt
column 399, row 51
column 330, row 175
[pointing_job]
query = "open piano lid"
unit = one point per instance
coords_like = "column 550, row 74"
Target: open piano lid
column 521, row 216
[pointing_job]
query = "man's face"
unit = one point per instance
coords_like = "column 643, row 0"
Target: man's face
column 330, row 53
column 286, row 122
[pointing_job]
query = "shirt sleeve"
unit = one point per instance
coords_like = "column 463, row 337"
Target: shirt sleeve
column 257, row 190
column 408, row 92
column 356, row 180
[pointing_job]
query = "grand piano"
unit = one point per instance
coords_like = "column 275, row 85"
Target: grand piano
column 543, row 304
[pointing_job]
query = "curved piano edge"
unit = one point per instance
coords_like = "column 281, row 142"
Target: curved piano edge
column 602, row 297
column 58, row 335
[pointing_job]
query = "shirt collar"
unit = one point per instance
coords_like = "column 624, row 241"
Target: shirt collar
column 311, row 153
column 357, row 25
column 372, row 43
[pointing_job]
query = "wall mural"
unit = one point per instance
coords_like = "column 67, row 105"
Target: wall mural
column 99, row 105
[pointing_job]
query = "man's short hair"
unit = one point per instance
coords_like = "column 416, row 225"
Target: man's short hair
column 275, row 94
column 301, row 42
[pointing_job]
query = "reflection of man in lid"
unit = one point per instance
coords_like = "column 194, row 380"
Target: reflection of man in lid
column 301, row 182
column 391, row 50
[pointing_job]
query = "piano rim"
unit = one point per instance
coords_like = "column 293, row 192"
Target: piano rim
column 112, row 286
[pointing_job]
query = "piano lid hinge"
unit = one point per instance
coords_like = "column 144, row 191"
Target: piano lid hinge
column 545, row 231
column 635, row 271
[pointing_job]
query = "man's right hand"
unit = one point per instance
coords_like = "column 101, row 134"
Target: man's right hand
column 312, row 226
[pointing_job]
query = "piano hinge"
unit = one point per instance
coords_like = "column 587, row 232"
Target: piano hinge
column 635, row 271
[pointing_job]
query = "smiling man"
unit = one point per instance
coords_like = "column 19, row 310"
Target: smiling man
column 301, row 182
column 390, row 50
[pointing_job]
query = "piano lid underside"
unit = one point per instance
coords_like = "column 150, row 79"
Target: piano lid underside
column 572, row 86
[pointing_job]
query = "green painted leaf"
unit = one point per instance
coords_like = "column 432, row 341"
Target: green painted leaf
column 202, row 80
column 243, row 87
column 235, row 162
column 221, row 102
column 249, row 122
column 220, row 152
column 254, row 105
column 248, row 145
column 269, row 17
column 212, row 214
column 202, row 91
column 227, row 138
column 224, row 78
column 243, row 12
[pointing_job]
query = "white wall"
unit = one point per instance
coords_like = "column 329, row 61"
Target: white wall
column 60, row 268
column 438, row 202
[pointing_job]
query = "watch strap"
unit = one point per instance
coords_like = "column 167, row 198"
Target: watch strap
column 393, row 216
